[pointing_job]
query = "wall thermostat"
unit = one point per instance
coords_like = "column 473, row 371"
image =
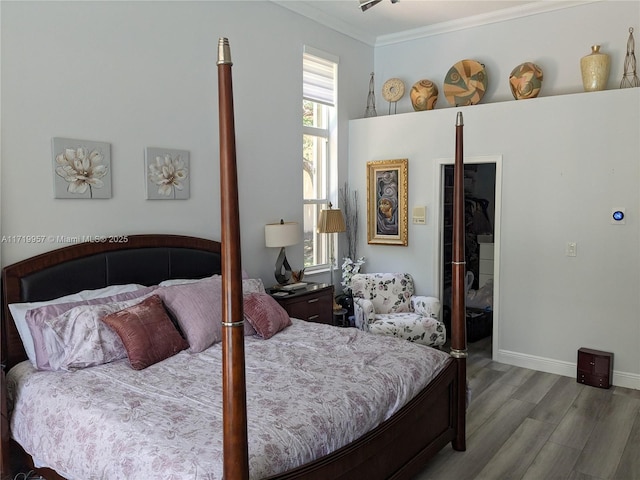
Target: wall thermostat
column 617, row 216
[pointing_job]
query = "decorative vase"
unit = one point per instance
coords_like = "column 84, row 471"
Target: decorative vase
column 595, row 70
column 525, row 81
column 424, row 95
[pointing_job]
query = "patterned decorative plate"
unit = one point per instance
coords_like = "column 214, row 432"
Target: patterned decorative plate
column 465, row 83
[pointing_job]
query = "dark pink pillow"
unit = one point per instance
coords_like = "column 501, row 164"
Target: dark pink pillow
column 36, row 318
column 265, row 314
column 146, row 332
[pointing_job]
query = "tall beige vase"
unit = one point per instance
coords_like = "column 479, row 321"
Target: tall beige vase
column 595, row 70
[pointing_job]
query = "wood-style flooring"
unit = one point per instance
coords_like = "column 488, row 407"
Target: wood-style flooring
column 529, row 425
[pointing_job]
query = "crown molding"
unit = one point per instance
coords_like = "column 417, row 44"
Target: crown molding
column 330, row 21
column 528, row 9
column 479, row 20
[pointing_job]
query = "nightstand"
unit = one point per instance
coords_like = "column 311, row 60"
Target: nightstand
column 313, row 303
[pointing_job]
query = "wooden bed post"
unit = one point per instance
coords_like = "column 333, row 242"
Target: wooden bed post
column 234, row 399
column 458, row 311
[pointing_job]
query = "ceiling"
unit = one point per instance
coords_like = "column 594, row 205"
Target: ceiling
column 387, row 22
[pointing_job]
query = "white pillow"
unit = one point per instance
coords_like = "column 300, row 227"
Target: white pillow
column 19, row 310
column 180, row 281
column 184, row 281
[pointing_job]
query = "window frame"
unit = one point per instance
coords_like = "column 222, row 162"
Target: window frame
column 327, row 133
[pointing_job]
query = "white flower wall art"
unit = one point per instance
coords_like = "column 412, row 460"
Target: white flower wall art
column 167, row 172
column 82, row 168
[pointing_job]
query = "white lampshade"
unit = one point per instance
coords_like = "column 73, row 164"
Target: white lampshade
column 281, row 234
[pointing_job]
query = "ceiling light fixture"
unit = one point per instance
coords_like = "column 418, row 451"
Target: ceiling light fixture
column 367, row 4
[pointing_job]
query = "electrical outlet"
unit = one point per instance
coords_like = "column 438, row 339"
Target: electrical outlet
column 572, row 249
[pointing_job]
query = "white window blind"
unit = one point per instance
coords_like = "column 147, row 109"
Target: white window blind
column 319, row 72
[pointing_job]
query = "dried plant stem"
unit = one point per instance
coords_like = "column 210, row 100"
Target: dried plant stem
column 349, row 205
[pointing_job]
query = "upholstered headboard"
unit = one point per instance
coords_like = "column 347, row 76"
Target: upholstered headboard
column 143, row 259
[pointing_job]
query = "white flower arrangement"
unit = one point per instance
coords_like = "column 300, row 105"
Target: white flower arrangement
column 349, row 268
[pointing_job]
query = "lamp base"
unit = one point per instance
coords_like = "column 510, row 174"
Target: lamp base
column 282, row 264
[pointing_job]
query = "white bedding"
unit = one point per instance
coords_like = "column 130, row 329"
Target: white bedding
column 310, row 390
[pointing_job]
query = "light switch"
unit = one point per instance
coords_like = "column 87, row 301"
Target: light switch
column 419, row 215
column 572, row 249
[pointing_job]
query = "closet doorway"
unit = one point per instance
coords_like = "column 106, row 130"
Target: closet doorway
column 482, row 228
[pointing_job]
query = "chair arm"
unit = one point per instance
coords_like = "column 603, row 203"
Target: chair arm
column 363, row 312
column 427, row 306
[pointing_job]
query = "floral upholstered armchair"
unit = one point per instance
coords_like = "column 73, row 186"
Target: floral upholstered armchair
column 384, row 303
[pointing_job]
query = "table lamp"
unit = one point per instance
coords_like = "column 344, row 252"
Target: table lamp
column 282, row 235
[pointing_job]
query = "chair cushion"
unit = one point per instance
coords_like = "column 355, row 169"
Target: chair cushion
column 389, row 292
column 410, row 326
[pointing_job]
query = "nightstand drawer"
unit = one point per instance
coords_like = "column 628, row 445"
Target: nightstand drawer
column 601, row 381
column 315, row 309
column 313, row 303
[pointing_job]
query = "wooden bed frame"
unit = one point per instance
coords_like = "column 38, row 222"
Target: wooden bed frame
column 396, row 449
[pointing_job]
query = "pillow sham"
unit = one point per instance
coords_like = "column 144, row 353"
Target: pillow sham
column 265, row 314
column 36, row 318
column 79, row 338
column 147, row 332
column 19, row 311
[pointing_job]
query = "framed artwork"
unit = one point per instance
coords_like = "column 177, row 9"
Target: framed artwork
column 81, row 168
column 387, row 193
column 167, row 173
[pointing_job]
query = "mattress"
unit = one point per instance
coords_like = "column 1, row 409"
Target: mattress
column 311, row 389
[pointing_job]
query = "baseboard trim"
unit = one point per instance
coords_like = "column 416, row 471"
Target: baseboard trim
column 558, row 367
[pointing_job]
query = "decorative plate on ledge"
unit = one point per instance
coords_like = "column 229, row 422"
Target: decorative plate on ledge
column 465, row 83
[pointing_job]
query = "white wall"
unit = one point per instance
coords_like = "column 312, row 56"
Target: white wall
column 567, row 159
column 138, row 74
column 566, row 162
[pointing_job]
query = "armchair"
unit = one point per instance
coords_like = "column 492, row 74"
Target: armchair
column 384, row 303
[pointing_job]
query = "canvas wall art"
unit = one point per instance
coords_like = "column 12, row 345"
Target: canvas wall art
column 387, row 193
column 167, row 173
column 81, row 168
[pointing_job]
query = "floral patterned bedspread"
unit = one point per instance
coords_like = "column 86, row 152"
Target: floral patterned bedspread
column 311, row 389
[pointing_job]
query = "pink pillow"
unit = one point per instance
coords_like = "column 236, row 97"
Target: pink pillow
column 265, row 314
column 36, row 319
column 197, row 307
column 146, row 332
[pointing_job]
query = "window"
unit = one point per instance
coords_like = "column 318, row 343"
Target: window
column 318, row 147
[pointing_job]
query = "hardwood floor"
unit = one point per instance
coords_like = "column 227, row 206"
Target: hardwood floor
column 529, row 425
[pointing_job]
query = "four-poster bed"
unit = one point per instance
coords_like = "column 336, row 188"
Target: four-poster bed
column 396, row 446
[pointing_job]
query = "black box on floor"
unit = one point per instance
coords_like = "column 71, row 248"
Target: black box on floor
column 479, row 324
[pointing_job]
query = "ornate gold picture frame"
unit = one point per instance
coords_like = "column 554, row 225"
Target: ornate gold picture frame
column 387, row 193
